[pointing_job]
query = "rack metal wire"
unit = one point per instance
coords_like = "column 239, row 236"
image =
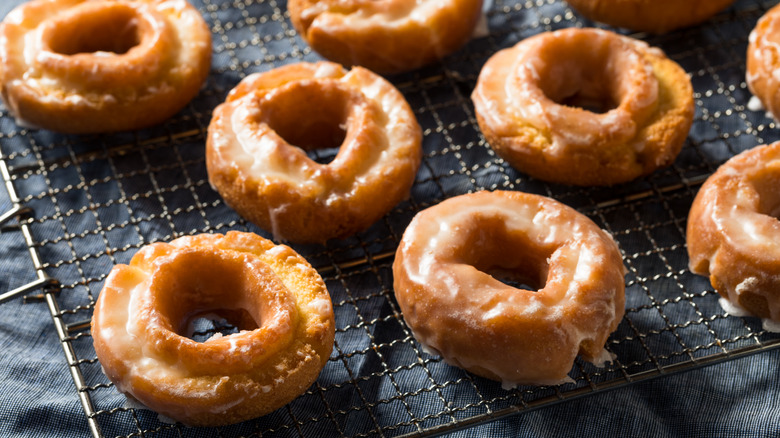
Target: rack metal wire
column 85, row 203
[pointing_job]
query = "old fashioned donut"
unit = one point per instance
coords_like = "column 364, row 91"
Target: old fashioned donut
column 257, row 142
column 763, row 61
column 733, row 232
column 84, row 66
column 584, row 107
column 276, row 299
column 656, row 16
column 385, row 36
column 446, row 273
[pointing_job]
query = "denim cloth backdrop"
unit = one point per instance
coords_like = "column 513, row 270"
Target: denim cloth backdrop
column 38, row 397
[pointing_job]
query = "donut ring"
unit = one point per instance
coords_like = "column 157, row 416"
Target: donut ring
column 85, row 66
column 253, row 164
column 530, row 103
column 733, row 231
column 385, row 36
column 144, row 309
column 656, row 16
column 762, row 60
column 443, row 284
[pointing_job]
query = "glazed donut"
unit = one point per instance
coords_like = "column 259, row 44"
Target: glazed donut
column 733, row 231
column 253, row 161
column 533, row 104
column 276, row 299
column 445, row 286
column 385, row 36
column 85, row 66
column 762, row 61
column 656, row 16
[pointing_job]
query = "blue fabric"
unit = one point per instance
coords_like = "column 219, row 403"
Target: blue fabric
column 79, row 187
column 733, row 399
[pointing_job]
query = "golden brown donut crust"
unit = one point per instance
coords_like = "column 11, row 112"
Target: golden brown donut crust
column 277, row 300
column 385, row 36
column 656, row 16
column 443, row 280
column 520, row 103
column 733, row 232
column 66, row 66
column 762, row 60
column 274, row 184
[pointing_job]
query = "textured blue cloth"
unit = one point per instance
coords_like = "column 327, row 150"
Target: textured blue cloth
column 38, row 398
column 734, row 399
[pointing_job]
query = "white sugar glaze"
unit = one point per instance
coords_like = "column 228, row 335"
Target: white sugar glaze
column 447, row 300
column 735, row 310
column 763, row 75
column 259, row 139
column 255, row 153
column 733, row 234
column 40, row 78
column 56, row 76
column 139, row 311
column 512, row 87
column 390, row 13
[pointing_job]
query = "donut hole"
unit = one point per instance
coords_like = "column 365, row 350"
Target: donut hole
column 766, row 183
column 113, row 29
column 215, row 324
column 583, row 73
column 199, row 294
column 517, row 280
column 509, row 257
column 590, row 100
column 311, row 116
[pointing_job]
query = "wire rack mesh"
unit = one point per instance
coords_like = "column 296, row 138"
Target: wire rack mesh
column 86, row 203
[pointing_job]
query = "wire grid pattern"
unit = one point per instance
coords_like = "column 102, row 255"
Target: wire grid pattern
column 95, row 200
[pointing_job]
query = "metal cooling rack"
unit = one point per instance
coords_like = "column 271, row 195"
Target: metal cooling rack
column 85, row 203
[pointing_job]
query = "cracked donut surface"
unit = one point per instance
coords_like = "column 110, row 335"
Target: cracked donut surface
column 270, row 293
column 455, row 276
column 84, row 66
column 584, row 107
column 733, row 232
column 256, row 151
